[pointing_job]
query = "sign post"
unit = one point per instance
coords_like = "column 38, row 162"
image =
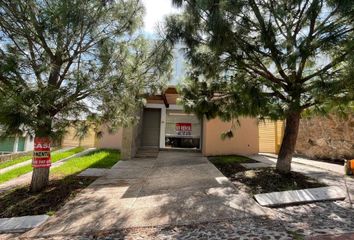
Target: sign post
column 41, row 153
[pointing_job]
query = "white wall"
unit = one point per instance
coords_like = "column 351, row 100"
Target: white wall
column 29, row 143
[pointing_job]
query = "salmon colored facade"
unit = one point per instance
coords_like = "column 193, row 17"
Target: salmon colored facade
column 160, row 127
column 110, row 140
column 244, row 142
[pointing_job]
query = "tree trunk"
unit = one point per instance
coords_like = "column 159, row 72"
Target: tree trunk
column 289, row 141
column 40, row 175
column 40, row 179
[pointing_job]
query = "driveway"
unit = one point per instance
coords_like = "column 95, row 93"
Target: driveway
column 176, row 188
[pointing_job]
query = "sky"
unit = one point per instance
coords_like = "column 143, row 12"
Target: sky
column 155, row 12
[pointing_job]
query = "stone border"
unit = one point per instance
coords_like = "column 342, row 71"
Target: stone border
column 277, row 199
column 21, row 224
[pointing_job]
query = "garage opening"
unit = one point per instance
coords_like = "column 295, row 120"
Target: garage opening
column 270, row 135
column 183, row 130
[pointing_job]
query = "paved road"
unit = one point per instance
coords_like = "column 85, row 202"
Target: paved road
column 176, row 188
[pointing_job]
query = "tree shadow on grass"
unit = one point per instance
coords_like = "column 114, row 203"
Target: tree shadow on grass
column 108, row 161
column 20, row 202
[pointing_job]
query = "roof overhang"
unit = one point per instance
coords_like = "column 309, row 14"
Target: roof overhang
column 171, row 90
column 165, row 100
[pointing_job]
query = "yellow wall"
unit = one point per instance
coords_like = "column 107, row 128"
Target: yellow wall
column 280, row 133
column 108, row 140
column 70, row 139
column 270, row 136
column 244, row 142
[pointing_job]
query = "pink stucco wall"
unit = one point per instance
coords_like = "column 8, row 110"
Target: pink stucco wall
column 244, row 142
column 110, row 140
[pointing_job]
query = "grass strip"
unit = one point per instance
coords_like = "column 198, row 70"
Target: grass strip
column 230, row 159
column 21, row 159
column 98, row 159
column 15, row 161
column 28, row 168
column 62, row 187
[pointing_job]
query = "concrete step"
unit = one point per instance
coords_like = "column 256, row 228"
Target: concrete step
column 181, row 150
column 147, row 153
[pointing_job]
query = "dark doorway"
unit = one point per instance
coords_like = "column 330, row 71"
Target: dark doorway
column 151, row 127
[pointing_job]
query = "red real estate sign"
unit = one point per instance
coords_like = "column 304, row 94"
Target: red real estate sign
column 184, row 129
column 41, row 153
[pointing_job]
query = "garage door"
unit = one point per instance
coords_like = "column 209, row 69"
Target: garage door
column 21, row 144
column 7, row 144
column 270, row 136
column 183, row 130
column 151, row 127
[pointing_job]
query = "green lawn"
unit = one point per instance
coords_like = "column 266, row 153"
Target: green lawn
column 28, row 168
column 19, row 159
column 230, row 159
column 61, row 155
column 103, row 158
column 63, row 186
column 15, row 161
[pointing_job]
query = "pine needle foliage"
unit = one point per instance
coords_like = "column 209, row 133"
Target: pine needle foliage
column 265, row 58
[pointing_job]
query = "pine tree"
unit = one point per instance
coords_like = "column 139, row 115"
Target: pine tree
column 265, row 58
column 68, row 60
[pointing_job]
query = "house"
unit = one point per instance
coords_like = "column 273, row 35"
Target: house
column 164, row 125
column 14, row 144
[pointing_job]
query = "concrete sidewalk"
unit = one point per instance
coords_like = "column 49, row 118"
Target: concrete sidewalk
column 177, row 188
column 336, row 168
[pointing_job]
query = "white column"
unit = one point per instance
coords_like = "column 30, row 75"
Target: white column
column 163, row 127
column 29, row 143
column 14, row 149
